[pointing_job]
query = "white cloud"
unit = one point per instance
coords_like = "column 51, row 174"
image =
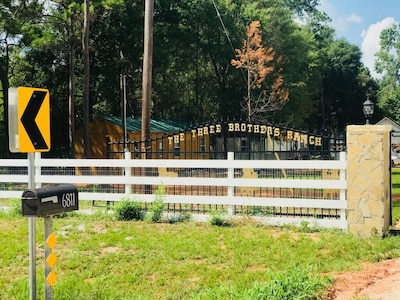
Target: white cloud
column 353, row 18
column 370, row 44
column 340, row 22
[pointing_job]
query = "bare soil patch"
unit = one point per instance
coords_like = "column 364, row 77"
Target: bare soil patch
column 375, row 281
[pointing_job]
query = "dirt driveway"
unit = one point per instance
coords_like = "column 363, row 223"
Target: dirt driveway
column 374, row 281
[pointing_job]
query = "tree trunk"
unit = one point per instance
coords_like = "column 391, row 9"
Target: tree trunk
column 71, row 90
column 147, row 75
column 5, row 85
column 86, row 80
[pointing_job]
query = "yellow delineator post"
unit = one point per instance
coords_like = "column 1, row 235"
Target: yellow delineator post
column 50, row 257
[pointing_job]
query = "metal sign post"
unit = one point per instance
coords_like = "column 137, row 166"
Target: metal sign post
column 32, row 231
column 32, row 258
column 29, row 132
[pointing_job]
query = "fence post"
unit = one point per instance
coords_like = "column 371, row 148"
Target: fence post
column 127, row 157
column 231, row 189
column 368, row 179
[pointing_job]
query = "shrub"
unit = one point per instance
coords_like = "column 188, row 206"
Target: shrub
column 178, row 218
column 15, row 208
column 157, row 207
column 127, row 210
column 219, row 218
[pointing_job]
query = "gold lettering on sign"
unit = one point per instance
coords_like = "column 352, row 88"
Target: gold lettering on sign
column 296, row 136
column 304, row 138
column 289, row 135
column 212, row 129
column 276, row 132
column 218, row 128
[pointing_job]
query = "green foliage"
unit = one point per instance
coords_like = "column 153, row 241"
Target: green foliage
column 395, row 194
column 127, row 210
column 388, row 65
column 343, row 91
column 395, row 212
column 15, row 208
column 157, row 206
column 259, row 211
column 294, row 283
column 219, row 218
column 177, row 218
column 396, row 181
column 192, row 50
column 304, row 226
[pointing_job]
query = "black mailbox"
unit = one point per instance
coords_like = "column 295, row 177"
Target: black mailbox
column 44, row 202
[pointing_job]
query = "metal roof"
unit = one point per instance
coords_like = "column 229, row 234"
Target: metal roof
column 135, row 124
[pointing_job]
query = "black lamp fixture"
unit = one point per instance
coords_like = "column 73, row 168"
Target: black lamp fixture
column 368, row 109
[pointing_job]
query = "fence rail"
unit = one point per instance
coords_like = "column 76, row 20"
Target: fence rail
column 283, row 191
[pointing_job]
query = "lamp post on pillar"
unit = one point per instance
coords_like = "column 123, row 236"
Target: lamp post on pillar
column 368, row 109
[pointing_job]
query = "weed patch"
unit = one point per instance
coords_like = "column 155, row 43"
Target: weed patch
column 157, row 206
column 220, row 218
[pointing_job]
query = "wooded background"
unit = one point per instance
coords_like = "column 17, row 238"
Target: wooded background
column 193, row 77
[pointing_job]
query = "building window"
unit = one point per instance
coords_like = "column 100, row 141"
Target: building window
column 136, row 149
column 177, row 149
column 243, row 146
column 203, row 145
column 161, row 149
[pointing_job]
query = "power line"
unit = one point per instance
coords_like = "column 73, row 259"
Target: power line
column 223, row 26
column 227, row 36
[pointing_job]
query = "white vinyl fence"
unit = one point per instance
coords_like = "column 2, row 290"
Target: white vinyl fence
column 281, row 191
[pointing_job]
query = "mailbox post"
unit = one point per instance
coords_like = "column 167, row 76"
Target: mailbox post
column 46, row 202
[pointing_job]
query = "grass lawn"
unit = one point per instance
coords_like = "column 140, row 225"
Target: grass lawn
column 102, row 258
column 99, row 257
column 396, row 181
column 396, row 194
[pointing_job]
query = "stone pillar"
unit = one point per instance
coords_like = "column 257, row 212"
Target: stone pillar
column 368, row 179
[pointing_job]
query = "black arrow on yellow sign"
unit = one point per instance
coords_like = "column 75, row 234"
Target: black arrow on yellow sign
column 28, row 120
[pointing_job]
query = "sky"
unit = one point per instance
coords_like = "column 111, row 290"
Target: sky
column 360, row 23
